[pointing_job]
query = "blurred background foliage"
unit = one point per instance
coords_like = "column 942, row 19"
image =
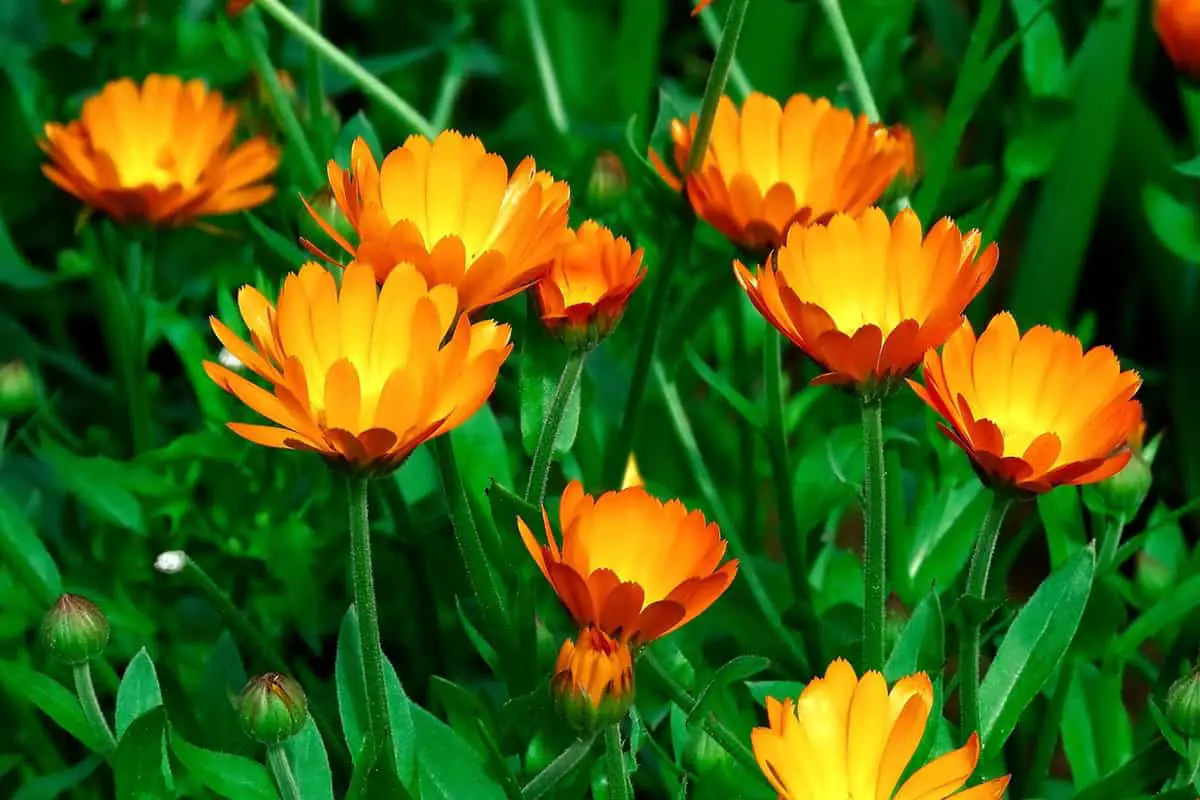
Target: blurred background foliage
column 1063, row 132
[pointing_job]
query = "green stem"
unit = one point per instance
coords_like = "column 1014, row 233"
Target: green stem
column 977, row 580
column 285, row 779
column 545, row 67
column 737, row 75
column 281, row 105
column 452, row 83
column 875, row 545
column 614, row 764
column 1110, row 542
column 314, row 85
column 543, row 453
column 372, row 86
column 91, row 708
column 1048, row 733
column 714, row 87
column 378, row 723
column 558, row 769
column 849, row 53
column 618, row 452
column 795, row 546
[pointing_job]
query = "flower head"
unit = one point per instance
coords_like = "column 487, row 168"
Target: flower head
column 361, row 374
column 272, row 708
column 161, row 152
column 1178, row 26
column 851, row 738
column 593, row 680
column 453, row 210
column 634, row 567
column 865, row 299
column 75, row 629
column 1034, row 411
column 768, row 167
column 583, row 296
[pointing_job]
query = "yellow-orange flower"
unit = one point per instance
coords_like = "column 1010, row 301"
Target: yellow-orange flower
column 851, row 739
column 631, row 565
column 864, row 298
column 1178, row 26
column 160, row 152
column 359, row 375
column 1034, row 411
column 768, row 167
column 593, row 680
column 583, row 296
column 452, row 209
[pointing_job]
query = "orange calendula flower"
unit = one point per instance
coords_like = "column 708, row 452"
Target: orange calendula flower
column 631, row 565
column 452, row 209
column 864, row 298
column 593, row 680
column 1034, row 411
column 1178, row 26
column 583, row 296
column 851, row 738
column 701, row 6
column 161, row 152
column 360, row 375
column 768, row 167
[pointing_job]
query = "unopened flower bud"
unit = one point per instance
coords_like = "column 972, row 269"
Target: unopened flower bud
column 272, row 708
column 1183, row 704
column 592, row 685
column 75, row 629
column 1178, row 25
column 1123, row 494
column 171, row 562
column 608, row 182
column 18, row 391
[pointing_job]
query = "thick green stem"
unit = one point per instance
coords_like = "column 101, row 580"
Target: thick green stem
column 854, row 67
column 543, row 452
column 977, row 580
column 314, row 85
column 714, row 87
column 875, row 544
column 285, row 779
column 545, row 67
column 558, row 769
column 378, row 723
column 795, row 546
column 737, row 75
column 91, row 708
column 614, row 764
column 372, row 86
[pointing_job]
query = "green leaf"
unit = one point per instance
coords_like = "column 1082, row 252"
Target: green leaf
column 1098, row 735
column 193, row 347
column 54, row 700
column 1178, row 743
column 310, row 763
column 1191, row 167
column 1032, row 648
column 944, row 534
column 1031, row 152
column 507, row 507
column 15, row 271
column 761, row 690
column 738, row 668
column 223, row 678
column 1062, row 517
column 138, row 692
column 48, row 787
column 140, row 762
column 921, row 646
column 481, row 453
column 25, row 555
column 1042, row 56
column 356, row 126
column 541, row 365
column 1143, row 774
column 1176, row 224
column 725, row 390
column 1179, row 604
column 225, row 774
column 287, row 250
column 448, row 764
column 100, row 483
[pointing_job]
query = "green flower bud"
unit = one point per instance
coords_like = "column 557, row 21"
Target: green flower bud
column 75, row 629
column 608, row 182
column 1183, row 705
column 592, row 686
column 18, row 391
column 272, row 708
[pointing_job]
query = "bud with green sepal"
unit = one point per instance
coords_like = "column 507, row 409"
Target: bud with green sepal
column 1183, row 704
column 1121, row 496
column 18, row 390
column 272, row 708
column 75, row 629
column 592, row 685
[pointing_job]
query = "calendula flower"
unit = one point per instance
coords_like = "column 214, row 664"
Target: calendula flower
column 632, row 566
column 161, row 152
column 852, row 739
column 1178, row 26
column 361, row 374
column 593, row 680
column 583, row 296
column 864, row 298
column 1034, row 411
column 452, row 209
column 768, row 167
column 701, row 6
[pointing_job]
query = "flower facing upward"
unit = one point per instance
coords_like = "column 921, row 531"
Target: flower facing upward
column 1034, row 411
column 593, row 680
column 583, row 296
column 866, row 299
column 452, row 209
column 360, row 376
column 1178, row 26
column 161, row 152
column 634, row 567
column 851, row 739
column 767, row 166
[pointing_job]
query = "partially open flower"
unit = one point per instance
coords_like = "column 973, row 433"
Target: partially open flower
column 452, row 209
column 161, row 152
column 1178, row 25
column 272, row 708
column 75, row 629
column 864, row 298
column 583, row 296
column 362, row 375
column 847, row 737
column 632, row 566
column 593, row 681
column 768, row 167
column 1034, row 411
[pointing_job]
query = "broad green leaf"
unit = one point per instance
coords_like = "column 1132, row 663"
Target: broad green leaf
column 921, row 646
column 101, row 484
column 310, row 763
column 1175, row 223
column 944, row 534
column 138, row 692
column 48, row 787
column 1031, row 152
column 1042, row 56
column 448, row 764
column 223, row 678
column 1179, row 604
column 780, row 690
column 1032, row 648
column 541, row 366
column 1191, row 167
column 24, row 554
column 193, row 347
column 140, row 763
column 739, row 668
column 1142, row 774
column 54, row 700
column 1097, row 735
column 482, row 454
column 418, row 477
column 225, row 774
